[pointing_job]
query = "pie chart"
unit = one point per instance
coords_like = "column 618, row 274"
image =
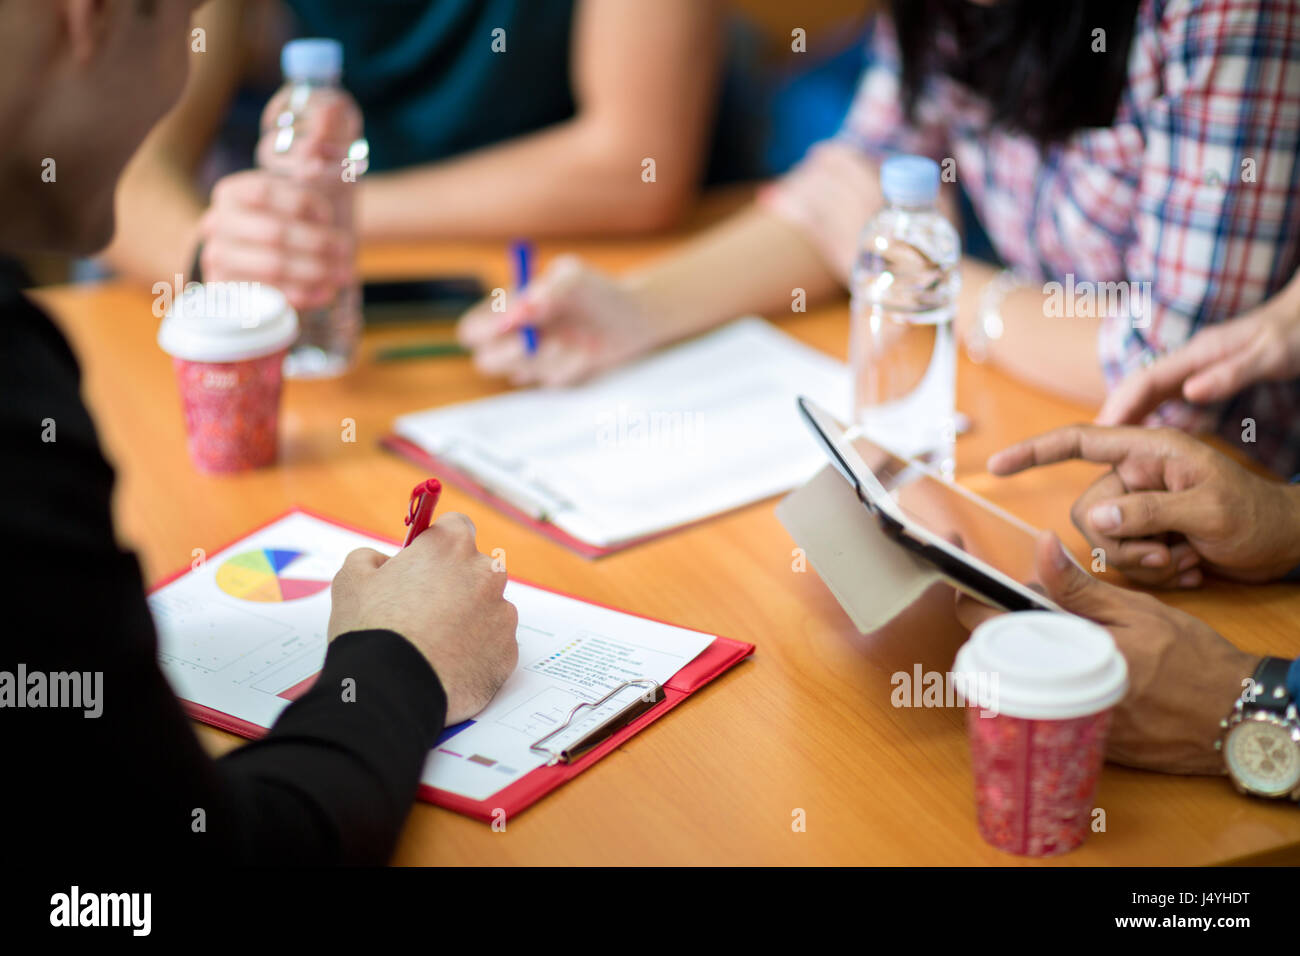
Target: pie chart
column 270, row 575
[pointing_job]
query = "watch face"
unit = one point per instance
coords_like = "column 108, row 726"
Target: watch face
column 1262, row 758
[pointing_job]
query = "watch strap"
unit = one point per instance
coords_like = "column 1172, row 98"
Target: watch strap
column 1269, row 688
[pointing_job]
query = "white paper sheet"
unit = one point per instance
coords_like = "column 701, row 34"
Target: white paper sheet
column 570, row 652
column 691, row 432
column 225, row 642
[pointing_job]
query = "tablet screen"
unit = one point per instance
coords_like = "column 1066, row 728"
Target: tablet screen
column 990, row 534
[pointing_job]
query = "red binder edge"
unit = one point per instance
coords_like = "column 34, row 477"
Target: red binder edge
column 715, row 660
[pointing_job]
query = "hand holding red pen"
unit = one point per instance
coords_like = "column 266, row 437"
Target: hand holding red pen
column 441, row 594
column 424, row 498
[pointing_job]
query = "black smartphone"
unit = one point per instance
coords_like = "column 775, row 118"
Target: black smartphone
column 403, row 301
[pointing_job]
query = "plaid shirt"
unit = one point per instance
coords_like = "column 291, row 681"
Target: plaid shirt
column 1191, row 191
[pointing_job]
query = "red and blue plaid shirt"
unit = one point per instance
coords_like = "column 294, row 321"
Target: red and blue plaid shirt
column 1193, row 190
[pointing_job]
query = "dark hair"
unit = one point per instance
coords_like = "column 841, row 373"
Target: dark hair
column 1033, row 61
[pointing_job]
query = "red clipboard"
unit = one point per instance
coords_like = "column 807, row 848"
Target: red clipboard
column 719, row 657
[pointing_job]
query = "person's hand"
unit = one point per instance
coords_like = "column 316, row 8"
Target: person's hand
column 442, row 595
column 1171, row 506
column 586, row 323
column 1183, row 677
column 276, row 224
column 1263, row 345
column 267, row 227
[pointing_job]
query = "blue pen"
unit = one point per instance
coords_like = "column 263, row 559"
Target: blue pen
column 521, row 253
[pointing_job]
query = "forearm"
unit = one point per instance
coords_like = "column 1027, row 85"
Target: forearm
column 1058, row 355
column 158, row 210
column 335, row 778
column 753, row 262
column 643, row 81
column 331, row 783
column 569, row 179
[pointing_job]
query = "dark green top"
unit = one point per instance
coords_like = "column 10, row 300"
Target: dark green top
column 428, row 81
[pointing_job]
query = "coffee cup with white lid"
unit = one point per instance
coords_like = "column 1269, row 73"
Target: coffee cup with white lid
column 219, row 322
column 1044, row 666
column 1040, row 689
column 228, row 341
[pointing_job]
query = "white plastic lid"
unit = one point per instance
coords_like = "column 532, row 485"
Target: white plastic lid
column 1048, row 666
column 228, row 322
column 312, row 60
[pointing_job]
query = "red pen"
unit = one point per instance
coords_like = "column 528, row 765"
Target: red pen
column 424, row 498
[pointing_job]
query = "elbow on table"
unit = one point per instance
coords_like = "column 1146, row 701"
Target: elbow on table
column 650, row 207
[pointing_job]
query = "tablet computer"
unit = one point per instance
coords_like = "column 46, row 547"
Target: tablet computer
column 922, row 512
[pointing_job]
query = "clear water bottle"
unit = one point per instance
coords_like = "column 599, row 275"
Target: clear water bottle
column 902, row 346
column 311, row 131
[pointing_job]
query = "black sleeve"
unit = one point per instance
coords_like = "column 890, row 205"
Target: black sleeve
column 334, row 779
column 332, row 782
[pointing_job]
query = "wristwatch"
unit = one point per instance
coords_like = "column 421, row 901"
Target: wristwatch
column 1261, row 737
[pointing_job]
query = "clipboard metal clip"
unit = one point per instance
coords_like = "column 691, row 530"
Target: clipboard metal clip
column 654, row 694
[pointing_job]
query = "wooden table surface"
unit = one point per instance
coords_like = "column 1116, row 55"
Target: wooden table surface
column 806, row 724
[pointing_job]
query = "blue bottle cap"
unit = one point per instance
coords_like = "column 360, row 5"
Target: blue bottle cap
column 910, row 180
column 312, row 61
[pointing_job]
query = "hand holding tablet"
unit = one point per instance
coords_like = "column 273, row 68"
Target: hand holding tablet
column 925, row 514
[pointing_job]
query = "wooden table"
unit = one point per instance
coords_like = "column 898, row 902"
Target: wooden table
column 806, row 724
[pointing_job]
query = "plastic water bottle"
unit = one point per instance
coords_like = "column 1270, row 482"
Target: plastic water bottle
column 311, row 131
column 904, row 293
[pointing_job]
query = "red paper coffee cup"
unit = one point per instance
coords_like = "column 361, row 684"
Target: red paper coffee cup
column 1040, row 688
column 228, row 341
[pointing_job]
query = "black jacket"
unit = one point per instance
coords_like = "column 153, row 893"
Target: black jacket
column 332, row 782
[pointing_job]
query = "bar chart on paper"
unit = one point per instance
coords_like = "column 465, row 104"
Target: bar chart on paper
column 273, row 574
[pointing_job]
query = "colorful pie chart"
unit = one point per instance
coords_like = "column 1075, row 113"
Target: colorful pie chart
column 271, row 575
